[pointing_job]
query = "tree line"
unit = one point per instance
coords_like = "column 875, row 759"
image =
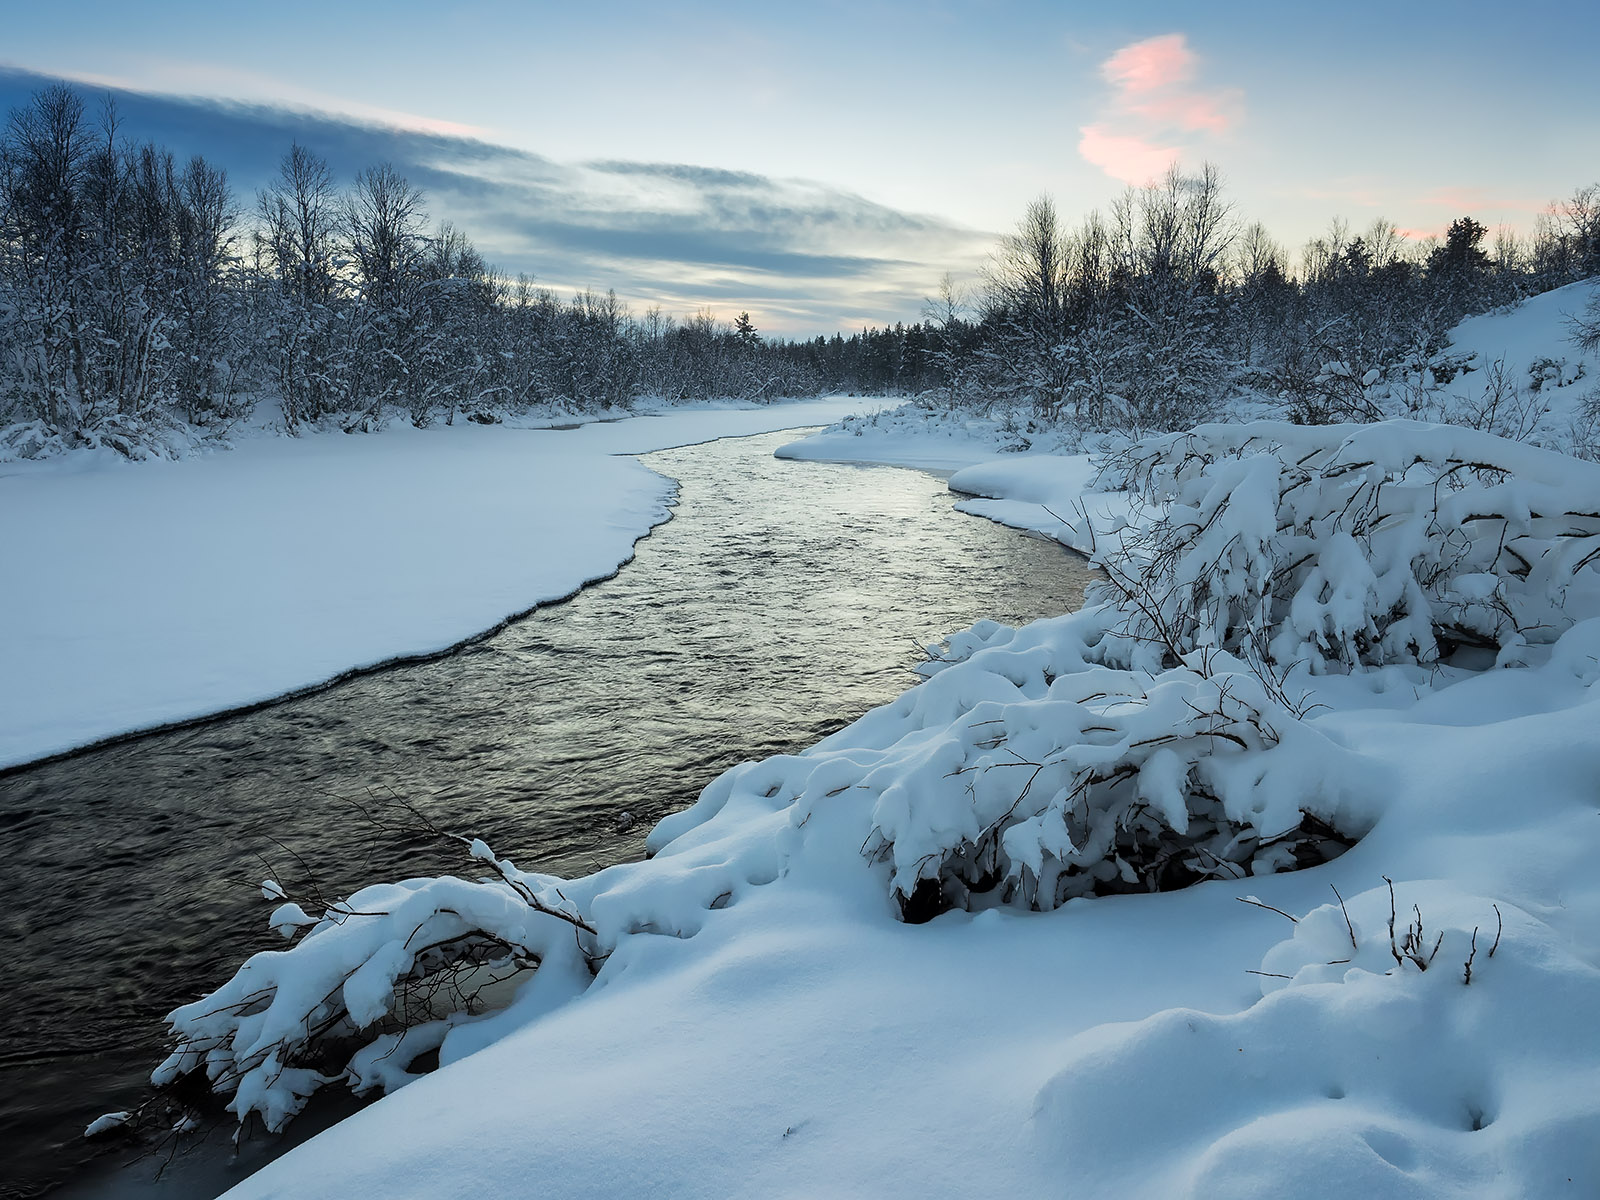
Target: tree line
column 1152, row 315
column 138, row 292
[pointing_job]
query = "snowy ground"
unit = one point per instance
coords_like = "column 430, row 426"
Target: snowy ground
column 145, row 593
column 764, row 1024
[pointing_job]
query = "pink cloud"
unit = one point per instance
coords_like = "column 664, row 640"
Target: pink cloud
column 1128, row 158
column 1154, row 63
column 1152, row 102
column 1189, row 111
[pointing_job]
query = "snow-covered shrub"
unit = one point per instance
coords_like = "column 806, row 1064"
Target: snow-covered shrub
column 1554, row 373
column 1109, row 781
column 1583, row 431
column 1348, row 546
column 1494, row 402
column 1026, row 772
column 374, row 983
column 152, row 437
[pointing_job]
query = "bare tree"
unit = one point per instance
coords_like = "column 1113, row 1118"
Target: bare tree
column 300, row 217
column 1027, row 283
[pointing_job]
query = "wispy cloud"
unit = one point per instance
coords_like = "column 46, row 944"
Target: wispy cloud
column 803, row 257
column 203, row 81
column 1155, row 111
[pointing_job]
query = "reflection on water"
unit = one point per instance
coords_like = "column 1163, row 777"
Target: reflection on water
column 782, row 600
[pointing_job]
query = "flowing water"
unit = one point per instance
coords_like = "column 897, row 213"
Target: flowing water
column 781, row 601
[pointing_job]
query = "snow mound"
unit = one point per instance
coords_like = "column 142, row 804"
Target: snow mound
column 1366, row 1072
column 925, row 434
column 1518, row 372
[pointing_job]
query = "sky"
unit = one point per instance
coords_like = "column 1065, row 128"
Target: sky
column 820, row 165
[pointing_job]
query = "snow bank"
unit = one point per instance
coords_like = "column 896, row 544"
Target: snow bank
column 1017, row 473
column 1527, row 347
column 917, row 434
column 142, row 594
column 1052, row 495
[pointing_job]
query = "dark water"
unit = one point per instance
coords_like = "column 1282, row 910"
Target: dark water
column 782, row 600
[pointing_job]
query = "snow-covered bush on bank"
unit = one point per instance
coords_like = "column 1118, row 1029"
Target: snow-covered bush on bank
column 391, row 970
column 1343, row 546
column 1024, row 772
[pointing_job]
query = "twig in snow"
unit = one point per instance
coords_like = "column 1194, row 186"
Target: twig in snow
column 1393, row 948
column 1251, row 900
column 1347, row 923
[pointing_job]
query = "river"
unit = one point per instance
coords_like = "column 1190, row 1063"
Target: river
column 782, row 600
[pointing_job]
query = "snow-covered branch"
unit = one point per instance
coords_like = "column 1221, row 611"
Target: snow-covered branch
column 368, row 986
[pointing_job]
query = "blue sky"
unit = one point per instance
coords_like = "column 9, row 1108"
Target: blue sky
column 822, row 164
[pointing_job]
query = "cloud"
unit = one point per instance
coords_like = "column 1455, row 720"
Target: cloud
column 199, row 80
column 803, row 257
column 1124, row 157
column 1151, row 65
column 1152, row 104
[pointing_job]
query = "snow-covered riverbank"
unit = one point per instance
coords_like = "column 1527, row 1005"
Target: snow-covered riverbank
column 142, row 594
column 765, row 1025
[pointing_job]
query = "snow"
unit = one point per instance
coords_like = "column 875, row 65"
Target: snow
column 1521, row 373
column 917, row 435
column 1533, row 339
column 155, row 592
column 1410, row 1018
column 1028, row 480
column 765, row 1024
column 800, row 1041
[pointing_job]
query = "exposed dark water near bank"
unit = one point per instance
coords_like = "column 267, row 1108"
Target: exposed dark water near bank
column 783, row 600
